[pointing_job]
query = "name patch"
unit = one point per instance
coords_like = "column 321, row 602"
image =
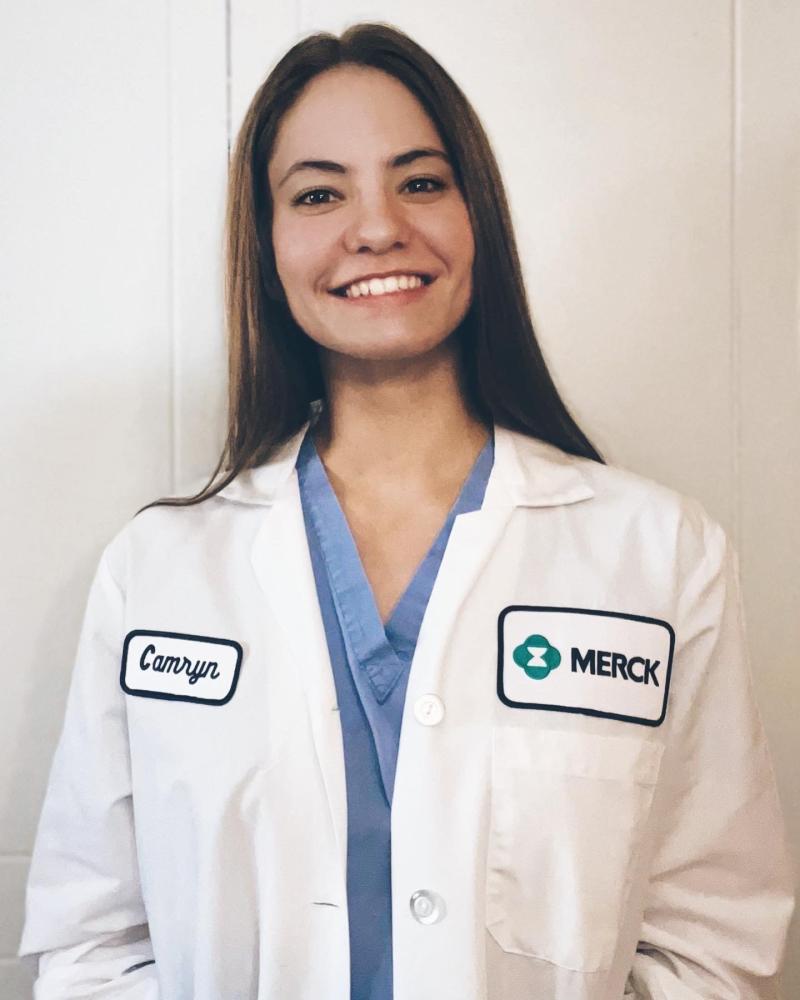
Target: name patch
column 180, row 667
column 603, row 663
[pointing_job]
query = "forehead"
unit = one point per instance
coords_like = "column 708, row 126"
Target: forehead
column 348, row 113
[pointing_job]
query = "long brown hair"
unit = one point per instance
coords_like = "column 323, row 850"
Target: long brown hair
column 274, row 370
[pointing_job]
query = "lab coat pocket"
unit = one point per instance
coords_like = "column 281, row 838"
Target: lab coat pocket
column 567, row 819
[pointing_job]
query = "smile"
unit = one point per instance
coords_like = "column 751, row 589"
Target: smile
column 403, row 287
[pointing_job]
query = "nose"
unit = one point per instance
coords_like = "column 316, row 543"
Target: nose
column 378, row 224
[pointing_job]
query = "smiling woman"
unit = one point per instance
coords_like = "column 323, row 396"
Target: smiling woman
column 406, row 532
column 360, row 159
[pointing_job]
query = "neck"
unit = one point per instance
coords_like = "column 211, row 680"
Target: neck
column 402, row 421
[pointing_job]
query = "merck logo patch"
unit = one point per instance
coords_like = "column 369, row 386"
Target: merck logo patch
column 590, row 661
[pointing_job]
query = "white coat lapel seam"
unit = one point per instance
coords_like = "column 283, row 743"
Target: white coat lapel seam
column 530, row 472
column 264, row 483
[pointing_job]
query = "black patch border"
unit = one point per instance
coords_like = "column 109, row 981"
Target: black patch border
column 166, row 696
column 582, row 711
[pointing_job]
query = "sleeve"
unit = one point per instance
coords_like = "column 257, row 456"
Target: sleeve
column 720, row 892
column 85, row 918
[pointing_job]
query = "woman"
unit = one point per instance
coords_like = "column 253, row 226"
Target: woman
column 582, row 803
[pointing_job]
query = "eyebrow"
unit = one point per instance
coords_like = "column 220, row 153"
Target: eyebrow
column 401, row 160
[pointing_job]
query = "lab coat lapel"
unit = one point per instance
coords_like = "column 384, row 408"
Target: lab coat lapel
column 527, row 472
column 282, row 564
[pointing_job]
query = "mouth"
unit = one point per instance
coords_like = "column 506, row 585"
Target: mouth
column 392, row 293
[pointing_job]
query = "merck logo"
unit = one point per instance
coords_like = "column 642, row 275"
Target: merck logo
column 604, row 663
column 537, row 657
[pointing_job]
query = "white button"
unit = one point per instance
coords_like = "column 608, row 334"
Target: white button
column 429, row 710
column 427, row 907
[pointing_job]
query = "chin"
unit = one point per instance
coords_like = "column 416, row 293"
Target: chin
column 389, row 349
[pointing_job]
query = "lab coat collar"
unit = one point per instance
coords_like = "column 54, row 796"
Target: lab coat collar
column 527, row 472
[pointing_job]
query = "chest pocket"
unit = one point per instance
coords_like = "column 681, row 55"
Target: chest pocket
column 567, row 818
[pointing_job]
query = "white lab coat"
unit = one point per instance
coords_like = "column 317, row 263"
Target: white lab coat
column 561, row 854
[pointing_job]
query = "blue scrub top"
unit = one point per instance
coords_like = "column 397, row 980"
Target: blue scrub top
column 370, row 664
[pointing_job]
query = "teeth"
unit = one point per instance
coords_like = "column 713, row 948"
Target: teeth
column 383, row 286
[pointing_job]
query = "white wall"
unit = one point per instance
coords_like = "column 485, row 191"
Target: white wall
column 651, row 157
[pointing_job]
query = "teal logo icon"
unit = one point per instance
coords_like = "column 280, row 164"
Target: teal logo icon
column 537, row 657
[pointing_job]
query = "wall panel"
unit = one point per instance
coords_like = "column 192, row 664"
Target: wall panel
column 766, row 264
column 85, row 399
column 198, row 161
column 112, row 183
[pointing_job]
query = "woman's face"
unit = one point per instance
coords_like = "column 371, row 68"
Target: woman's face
column 363, row 213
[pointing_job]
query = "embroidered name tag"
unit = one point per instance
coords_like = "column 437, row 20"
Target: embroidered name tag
column 180, row 667
column 602, row 663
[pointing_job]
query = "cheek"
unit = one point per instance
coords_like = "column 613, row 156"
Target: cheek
column 299, row 249
column 465, row 236
column 285, row 247
column 452, row 234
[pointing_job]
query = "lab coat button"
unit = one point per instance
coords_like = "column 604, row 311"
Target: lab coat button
column 427, row 907
column 429, row 710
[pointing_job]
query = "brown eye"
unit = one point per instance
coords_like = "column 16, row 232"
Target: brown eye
column 301, row 198
column 437, row 184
